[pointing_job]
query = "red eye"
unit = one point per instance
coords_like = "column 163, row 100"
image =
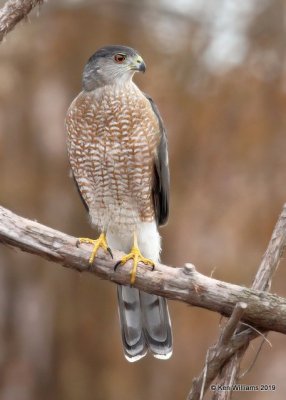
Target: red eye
column 119, row 58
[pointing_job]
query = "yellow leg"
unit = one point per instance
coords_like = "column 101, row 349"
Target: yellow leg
column 100, row 242
column 137, row 257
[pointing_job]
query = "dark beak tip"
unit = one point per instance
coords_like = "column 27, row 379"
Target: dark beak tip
column 142, row 67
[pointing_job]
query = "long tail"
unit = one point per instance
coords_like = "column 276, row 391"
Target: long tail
column 145, row 324
column 156, row 325
column 144, row 318
column 133, row 339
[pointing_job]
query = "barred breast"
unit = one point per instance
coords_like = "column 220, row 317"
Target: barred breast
column 113, row 134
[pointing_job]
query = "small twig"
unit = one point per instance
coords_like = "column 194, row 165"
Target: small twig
column 232, row 323
column 264, row 339
column 204, row 376
column 13, row 12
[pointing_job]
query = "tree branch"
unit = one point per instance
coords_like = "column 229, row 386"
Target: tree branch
column 184, row 284
column 225, row 347
column 262, row 281
column 228, row 367
column 13, row 12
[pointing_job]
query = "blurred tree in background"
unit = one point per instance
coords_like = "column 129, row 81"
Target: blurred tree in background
column 217, row 72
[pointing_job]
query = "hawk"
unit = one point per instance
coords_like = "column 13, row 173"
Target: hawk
column 118, row 154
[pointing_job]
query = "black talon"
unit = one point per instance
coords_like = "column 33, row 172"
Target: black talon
column 153, row 267
column 117, row 265
column 109, row 251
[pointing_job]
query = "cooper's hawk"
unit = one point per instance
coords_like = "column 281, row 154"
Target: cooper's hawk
column 118, row 154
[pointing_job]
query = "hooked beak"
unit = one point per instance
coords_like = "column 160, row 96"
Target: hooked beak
column 138, row 64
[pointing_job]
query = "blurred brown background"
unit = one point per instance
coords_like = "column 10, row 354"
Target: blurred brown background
column 217, row 72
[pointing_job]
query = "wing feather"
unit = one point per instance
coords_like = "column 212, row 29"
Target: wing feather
column 161, row 174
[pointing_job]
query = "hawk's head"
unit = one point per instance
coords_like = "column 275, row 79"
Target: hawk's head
column 111, row 64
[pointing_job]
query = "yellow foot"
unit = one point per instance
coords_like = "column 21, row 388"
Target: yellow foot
column 137, row 257
column 100, row 242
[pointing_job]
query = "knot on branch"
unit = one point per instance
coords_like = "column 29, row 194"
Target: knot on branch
column 189, row 269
